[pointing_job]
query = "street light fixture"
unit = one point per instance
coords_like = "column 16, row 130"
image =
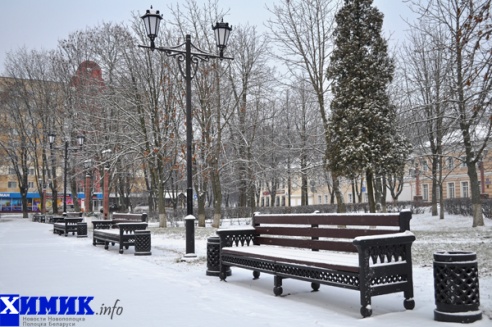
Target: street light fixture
column 80, row 141
column 152, row 20
column 222, row 30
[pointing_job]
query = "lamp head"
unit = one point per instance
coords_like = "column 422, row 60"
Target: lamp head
column 51, row 138
column 222, row 31
column 80, row 140
column 152, row 19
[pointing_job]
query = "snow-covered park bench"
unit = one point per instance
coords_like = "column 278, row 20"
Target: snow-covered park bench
column 70, row 225
column 369, row 253
column 126, row 235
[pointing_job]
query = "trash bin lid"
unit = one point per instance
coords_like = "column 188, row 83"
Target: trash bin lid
column 455, row 256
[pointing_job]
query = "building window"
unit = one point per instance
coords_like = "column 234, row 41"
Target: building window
column 464, row 190
column 12, row 185
column 30, row 185
column 31, row 171
column 262, row 202
column 11, row 171
column 319, row 199
column 450, row 163
column 283, row 201
column 425, row 191
column 268, row 202
column 450, row 190
column 326, row 198
column 425, row 165
column 463, row 162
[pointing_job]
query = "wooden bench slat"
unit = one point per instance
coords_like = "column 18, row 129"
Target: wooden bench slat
column 321, row 232
column 308, row 244
column 324, row 219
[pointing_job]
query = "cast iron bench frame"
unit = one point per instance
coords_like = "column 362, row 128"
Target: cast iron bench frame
column 125, row 236
column 378, row 244
column 68, row 225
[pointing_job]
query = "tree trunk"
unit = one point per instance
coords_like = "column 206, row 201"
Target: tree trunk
column 217, row 191
column 201, row 209
column 25, row 212
column 75, row 198
column 161, row 204
column 341, row 207
column 476, row 199
column 370, row 191
column 383, row 195
column 434, row 185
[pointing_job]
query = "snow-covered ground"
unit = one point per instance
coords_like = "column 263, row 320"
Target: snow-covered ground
column 162, row 290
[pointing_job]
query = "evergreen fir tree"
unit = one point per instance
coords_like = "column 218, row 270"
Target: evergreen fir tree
column 363, row 129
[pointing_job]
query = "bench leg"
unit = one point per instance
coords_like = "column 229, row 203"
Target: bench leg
column 277, row 282
column 315, row 286
column 256, row 274
column 365, row 302
column 409, row 302
column 106, row 245
column 223, row 273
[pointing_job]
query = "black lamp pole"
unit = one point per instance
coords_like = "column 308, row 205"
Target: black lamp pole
column 80, row 140
column 222, row 30
column 65, row 178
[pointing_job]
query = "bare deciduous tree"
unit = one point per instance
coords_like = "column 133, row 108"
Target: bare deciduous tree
column 468, row 25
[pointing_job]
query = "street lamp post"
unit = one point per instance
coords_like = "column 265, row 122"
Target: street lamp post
column 80, row 141
column 88, row 199
column 106, row 155
column 222, row 31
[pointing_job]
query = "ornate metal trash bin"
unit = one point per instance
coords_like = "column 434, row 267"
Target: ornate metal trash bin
column 456, row 287
column 213, row 257
column 143, row 242
column 81, row 229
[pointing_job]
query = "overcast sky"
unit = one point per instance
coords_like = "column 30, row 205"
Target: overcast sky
column 40, row 24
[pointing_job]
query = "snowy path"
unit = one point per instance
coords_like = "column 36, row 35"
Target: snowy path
column 159, row 291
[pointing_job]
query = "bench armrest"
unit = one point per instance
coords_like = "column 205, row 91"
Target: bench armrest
column 385, row 248
column 236, row 236
column 130, row 228
column 385, row 239
column 73, row 221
